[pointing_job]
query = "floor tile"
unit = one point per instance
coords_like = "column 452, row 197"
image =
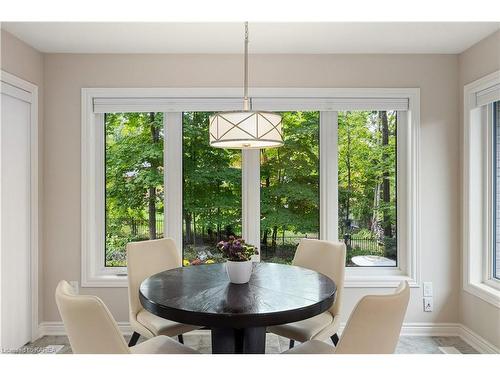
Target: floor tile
column 456, row 342
column 201, row 341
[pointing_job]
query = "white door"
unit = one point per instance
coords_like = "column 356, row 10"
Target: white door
column 15, row 222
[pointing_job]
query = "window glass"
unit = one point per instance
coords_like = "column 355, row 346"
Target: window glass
column 134, row 181
column 367, row 187
column 290, row 188
column 211, row 192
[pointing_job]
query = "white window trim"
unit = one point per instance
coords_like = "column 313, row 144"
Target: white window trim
column 172, row 123
column 488, row 262
column 477, row 189
column 328, row 101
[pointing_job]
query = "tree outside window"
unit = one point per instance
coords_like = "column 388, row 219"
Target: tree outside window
column 134, row 181
column 367, row 183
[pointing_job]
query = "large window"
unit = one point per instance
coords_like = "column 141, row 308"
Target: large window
column 134, row 181
column 481, row 191
column 289, row 188
column 495, row 263
column 367, row 187
column 211, row 191
column 148, row 171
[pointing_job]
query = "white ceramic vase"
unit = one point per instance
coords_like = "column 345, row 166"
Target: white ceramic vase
column 239, row 272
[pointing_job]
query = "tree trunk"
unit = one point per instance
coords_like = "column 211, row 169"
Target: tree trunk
column 274, row 237
column 348, row 167
column 219, row 226
column 374, row 225
column 386, row 192
column 152, row 213
column 194, row 230
column 187, row 219
column 267, row 184
column 152, row 189
column 155, row 136
column 134, row 228
column 264, row 237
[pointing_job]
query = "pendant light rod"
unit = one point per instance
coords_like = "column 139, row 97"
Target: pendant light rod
column 246, row 100
column 247, row 129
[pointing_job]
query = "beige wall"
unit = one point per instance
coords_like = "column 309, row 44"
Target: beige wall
column 476, row 62
column 20, row 59
column 435, row 75
column 25, row 62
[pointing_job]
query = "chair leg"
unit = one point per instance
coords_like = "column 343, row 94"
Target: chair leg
column 181, row 339
column 292, row 343
column 335, row 339
column 133, row 339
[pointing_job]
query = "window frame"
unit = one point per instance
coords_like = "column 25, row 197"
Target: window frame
column 174, row 101
column 492, row 261
column 478, row 182
column 490, row 190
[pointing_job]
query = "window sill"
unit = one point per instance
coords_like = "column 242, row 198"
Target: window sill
column 376, row 278
column 485, row 292
column 379, row 277
column 105, row 281
column 379, row 281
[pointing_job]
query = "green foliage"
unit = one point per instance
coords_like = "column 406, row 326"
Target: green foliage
column 363, row 163
column 134, row 164
column 365, row 234
column 212, row 184
column 212, row 181
column 290, row 177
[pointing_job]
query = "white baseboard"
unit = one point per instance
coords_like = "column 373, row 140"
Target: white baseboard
column 477, row 342
column 409, row 329
column 57, row 328
column 430, row 329
column 424, row 329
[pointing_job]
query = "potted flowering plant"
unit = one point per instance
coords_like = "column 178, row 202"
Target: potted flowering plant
column 238, row 255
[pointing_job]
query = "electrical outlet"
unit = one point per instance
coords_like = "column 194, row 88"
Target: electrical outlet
column 428, row 304
column 428, row 289
column 75, row 286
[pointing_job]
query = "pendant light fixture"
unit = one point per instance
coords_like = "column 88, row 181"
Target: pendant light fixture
column 246, row 129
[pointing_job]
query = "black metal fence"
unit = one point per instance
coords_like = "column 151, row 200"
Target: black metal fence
column 284, row 247
column 140, row 228
column 364, row 243
column 367, row 244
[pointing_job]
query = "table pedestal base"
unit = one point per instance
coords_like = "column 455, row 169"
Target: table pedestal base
column 251, row 340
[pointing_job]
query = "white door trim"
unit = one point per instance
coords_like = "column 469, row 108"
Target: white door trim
column 30, row 94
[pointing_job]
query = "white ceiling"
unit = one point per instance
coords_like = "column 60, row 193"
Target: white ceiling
column 119, row 37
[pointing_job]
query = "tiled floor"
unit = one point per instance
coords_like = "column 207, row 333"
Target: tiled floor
column 200, row 340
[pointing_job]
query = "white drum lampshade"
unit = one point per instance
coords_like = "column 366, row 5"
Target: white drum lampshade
column 246, row 130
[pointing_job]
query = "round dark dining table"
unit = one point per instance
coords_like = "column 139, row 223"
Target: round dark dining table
column 237, row 314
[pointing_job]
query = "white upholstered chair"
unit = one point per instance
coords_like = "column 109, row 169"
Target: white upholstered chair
column 144, row 259
column 91, row 328
column 327, row 258
column 373, row 327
